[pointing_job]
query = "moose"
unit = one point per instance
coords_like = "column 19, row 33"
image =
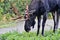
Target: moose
column 41, row 7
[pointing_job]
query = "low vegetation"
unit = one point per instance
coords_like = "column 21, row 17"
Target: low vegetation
column 7, row 24
column 49, row 35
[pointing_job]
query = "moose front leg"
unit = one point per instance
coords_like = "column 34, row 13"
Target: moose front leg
column 39, row 20
column 43, row 23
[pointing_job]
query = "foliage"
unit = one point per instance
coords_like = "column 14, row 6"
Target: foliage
column 30, row 36
column 49, row 15
column 20, row 4
column 5, row 6
column 1, row 10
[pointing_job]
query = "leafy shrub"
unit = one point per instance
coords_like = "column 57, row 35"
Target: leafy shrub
column 8, row 16
column 50, row 15
column 1, row 10
column 20, row 4
column 5, row 6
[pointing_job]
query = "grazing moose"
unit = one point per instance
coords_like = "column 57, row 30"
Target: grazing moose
column 42, row 7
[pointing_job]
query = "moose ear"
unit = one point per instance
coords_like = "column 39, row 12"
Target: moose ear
column 32, row 11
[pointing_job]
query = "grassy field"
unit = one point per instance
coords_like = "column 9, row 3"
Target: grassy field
column 7, row 24
column 49, row 35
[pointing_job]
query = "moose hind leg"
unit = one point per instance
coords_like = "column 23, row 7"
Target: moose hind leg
column 56, row 20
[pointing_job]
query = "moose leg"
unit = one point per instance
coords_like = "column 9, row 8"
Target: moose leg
column 56, row 20
column 39, row 20
column 43, row 22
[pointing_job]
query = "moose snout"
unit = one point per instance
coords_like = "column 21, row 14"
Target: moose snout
column 27, row 29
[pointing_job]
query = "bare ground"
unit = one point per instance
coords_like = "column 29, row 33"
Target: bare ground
column 20, row 27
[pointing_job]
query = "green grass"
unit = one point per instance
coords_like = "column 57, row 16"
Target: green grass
column 7, row 24
column 49, row 35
